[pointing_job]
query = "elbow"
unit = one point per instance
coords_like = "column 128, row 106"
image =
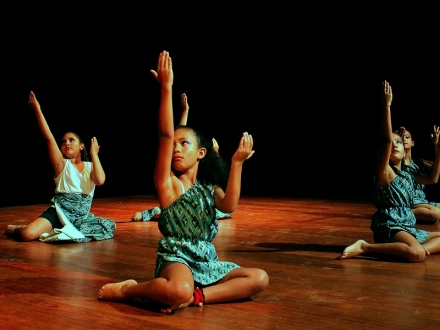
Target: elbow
column 228, row 209
column 432, row 180
column 99, row 181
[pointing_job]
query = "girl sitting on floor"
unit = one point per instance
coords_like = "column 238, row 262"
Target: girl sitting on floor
column 394, row 223
column 68, row 218
column 188, row 271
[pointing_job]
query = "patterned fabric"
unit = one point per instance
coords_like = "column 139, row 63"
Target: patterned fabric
column 189, row 225
column 416, row 167
column 219, row 215
column 147, row 215
column 394, row 204
column 79, row 224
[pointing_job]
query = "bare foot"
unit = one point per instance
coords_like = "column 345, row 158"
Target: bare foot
column 10, row 229
column 171, row 309
column 115, row 291
column 353, row 250
column 427, row 254
column 137, row 216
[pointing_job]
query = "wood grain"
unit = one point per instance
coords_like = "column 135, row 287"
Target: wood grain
column 55, row 286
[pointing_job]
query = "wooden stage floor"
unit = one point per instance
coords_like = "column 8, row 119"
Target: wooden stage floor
column 297, row 241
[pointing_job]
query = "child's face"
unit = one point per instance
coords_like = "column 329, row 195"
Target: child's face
column 408, row 142
column 186, row 152
column 71, row 146
column 397, row 149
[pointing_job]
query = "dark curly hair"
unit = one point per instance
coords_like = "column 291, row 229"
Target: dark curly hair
column 84, row 153
column 213, row 169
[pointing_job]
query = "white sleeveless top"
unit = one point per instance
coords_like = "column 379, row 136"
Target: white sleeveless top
column 70, row 180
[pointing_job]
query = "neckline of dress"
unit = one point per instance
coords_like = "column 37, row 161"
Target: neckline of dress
column 76, row 168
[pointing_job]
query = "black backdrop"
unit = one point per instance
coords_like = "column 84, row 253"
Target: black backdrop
column 303, row 80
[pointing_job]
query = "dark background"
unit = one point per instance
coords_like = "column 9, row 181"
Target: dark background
column 304, row 80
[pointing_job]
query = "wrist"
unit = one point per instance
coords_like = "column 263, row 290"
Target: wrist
column 236, row 163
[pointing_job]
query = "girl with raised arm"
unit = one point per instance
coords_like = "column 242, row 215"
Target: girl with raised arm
column 154, row 212
column 393, row 224
column 423, row 209
column 68, row 218
column 188, row 271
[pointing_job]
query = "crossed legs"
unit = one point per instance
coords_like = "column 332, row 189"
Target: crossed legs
column 175, row 286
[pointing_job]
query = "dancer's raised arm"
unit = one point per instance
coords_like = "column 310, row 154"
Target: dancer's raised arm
column 384, row 173
column 162, row 174
column 98, row 174
column 56, row 157
column 227, row 201
column 434, row 172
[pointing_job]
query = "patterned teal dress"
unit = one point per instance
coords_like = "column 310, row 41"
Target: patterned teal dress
column 189, row 225
column 416, row 167
column 394, row 204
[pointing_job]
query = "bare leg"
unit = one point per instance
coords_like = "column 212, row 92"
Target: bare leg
column 115, row 291
column 427, row 212
column 30, row 232
column 354, row 249
column 402, row 245
column 173, row 288
column 239, row 284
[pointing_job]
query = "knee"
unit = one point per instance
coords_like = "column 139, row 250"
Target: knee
column 433, row 214
column 181, row 292
column 417, row 255
column 27, row 235
column 436, row 214
column 260, row 280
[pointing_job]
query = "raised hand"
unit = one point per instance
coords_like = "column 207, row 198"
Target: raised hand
column 215, row 145
column 387, row 93
column 244, row 150
column 185, row 108
column 435, row 136
column 164, row 74
column 184, row 102
column 94, row 146
column 402, row 131
column 33, row 101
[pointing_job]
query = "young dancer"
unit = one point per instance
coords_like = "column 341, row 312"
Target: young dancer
column 393, row 224
column 188, row 271
column 154, row 212
column 423, row 209
column 68, row 218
